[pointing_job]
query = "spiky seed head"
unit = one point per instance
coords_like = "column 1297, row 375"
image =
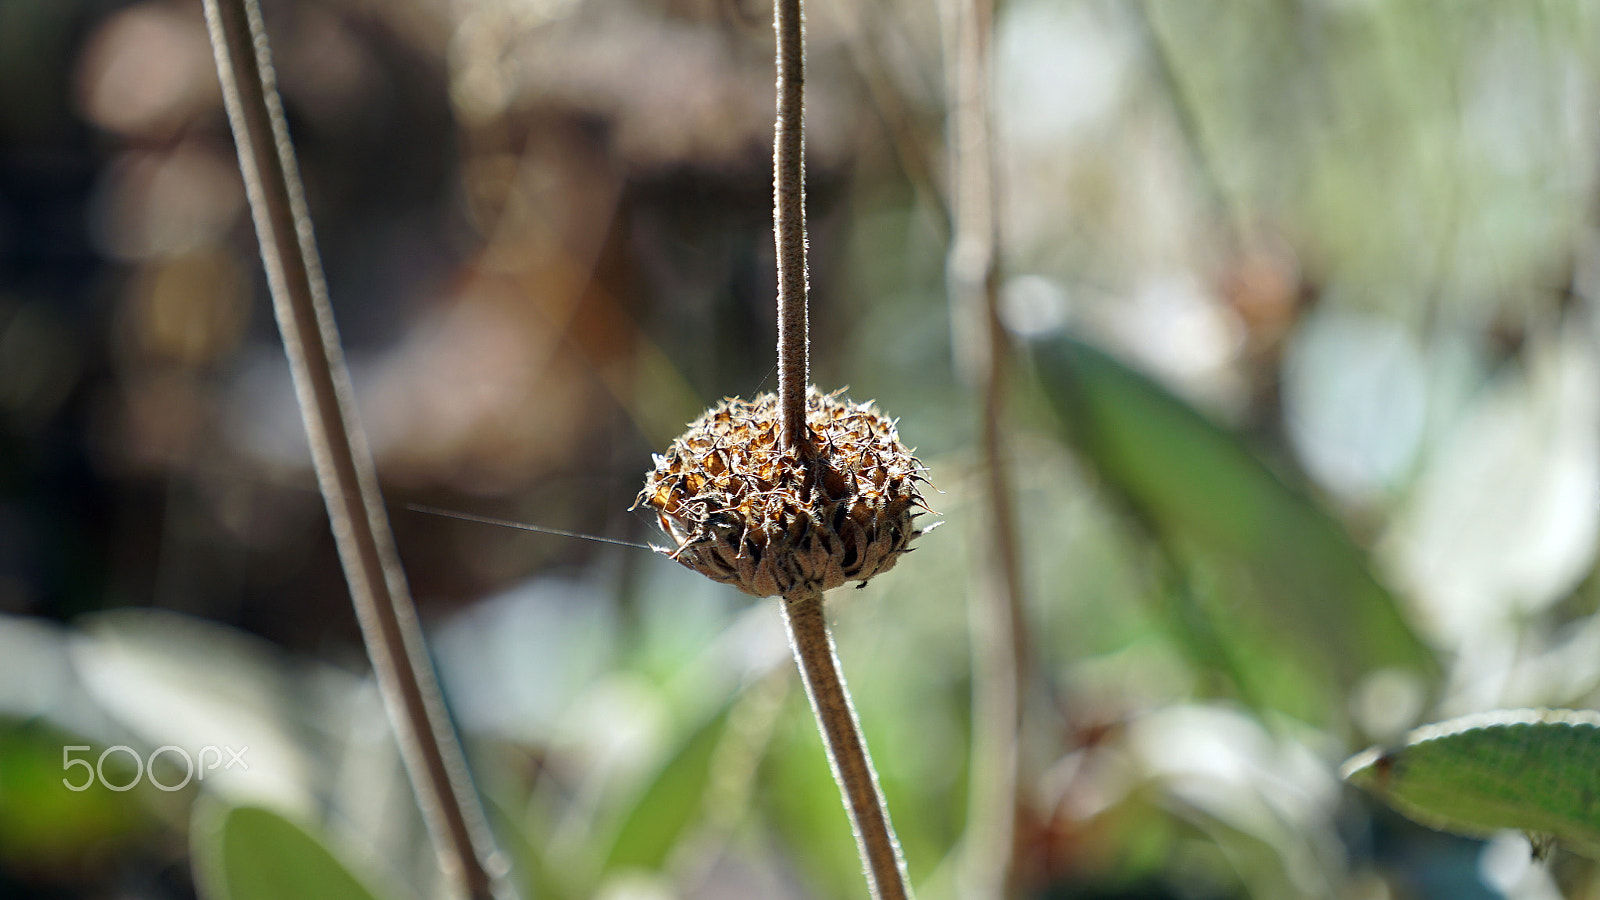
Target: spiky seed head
column 744, row 511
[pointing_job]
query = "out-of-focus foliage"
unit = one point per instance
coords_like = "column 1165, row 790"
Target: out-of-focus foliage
column 1198, row 490
column 1305, row 428
column 253, row 853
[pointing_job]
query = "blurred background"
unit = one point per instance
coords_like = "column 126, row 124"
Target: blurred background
column 1304, row 424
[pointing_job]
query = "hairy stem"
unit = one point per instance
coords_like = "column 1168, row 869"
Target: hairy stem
column 789, row 222
column 847, row 752
column 999, row 644
column 808, row 627
column 339, row 450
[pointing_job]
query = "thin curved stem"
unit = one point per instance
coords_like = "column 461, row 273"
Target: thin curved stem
column 847, row 751
column 343, row 462
column 789, row 222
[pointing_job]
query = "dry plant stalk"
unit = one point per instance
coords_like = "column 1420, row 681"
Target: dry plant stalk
column 789, row 222
column 343, row 461
column 847, row 751
column 798, row 493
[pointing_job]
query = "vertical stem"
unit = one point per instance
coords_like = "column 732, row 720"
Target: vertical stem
column 789, row 222
column 847, row 752
column 999, row 644
column 339, row 450
column 808, row 627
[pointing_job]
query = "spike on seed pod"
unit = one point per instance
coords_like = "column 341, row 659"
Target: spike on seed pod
column 744, row 511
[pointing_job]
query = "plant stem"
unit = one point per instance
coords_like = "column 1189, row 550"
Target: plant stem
column 808, row 627
column 345, row 470
column 789, row 222
column 847, row 752
column 999, row 638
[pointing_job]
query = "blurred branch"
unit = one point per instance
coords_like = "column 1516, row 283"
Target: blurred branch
column 863, row 37
column 1222, row 207
column 999, row 642
column 339, row 450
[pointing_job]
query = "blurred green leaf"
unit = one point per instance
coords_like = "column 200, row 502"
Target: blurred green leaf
column 42, row 822
column 801, row 802
column 532, row 865
column 253, row 853
column 1530, row 769
column 1195, row 485
column 669, row 803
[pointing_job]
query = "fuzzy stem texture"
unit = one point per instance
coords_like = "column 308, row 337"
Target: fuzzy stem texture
column 339, row 450
column 808, row 626
column 847, row 752
column 789, row 222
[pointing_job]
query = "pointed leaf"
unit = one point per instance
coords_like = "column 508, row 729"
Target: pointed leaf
column 1537, row 770
column 1193, row 482
column 669, row 804
column 253, row 853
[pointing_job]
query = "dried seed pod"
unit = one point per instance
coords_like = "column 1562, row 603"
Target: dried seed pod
column 744, row 511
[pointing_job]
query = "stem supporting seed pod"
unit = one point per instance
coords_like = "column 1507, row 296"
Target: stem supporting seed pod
column 847, row 752
column 744, row 509
column 799, row 492
column 789, row 223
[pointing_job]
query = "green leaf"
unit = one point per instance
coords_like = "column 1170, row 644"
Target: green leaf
column 534, row 867
column 800, row 802
column 43, row 825
column 669, row 803
column 1197, row 486
column 1537, row 770
column 253, row 853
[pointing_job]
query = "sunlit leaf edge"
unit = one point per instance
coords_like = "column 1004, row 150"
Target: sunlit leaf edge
column 1535, row 770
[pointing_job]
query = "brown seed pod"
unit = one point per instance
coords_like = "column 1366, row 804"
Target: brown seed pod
column 743, row 511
